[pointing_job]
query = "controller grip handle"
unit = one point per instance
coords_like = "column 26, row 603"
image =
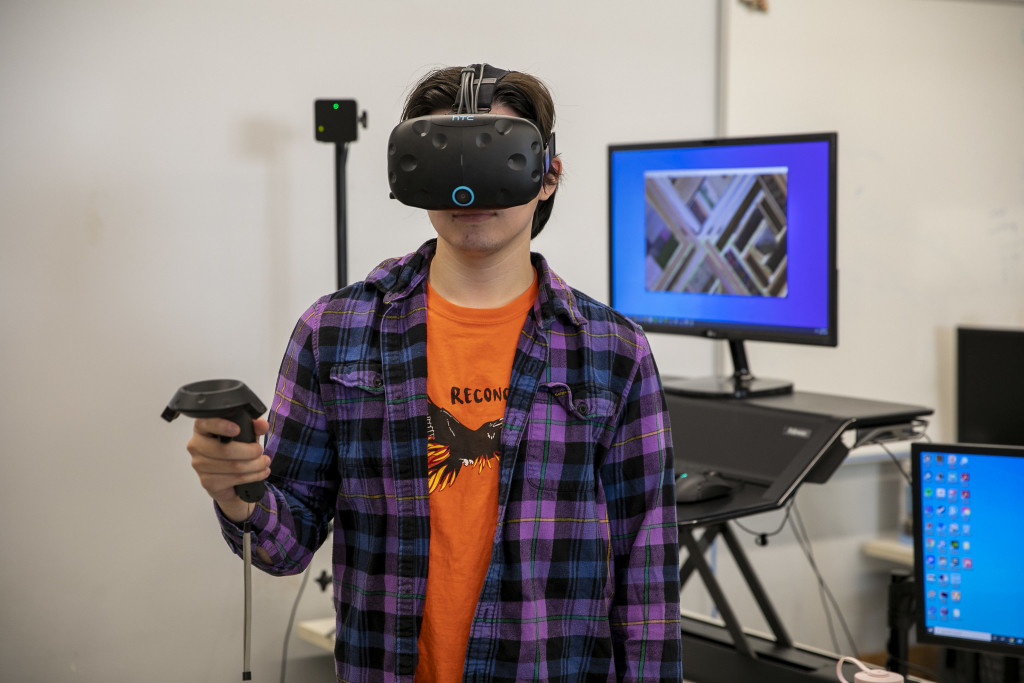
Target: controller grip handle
column 247, row 433
column 253, row 491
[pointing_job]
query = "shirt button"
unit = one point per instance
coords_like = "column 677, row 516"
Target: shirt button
column 378, row 382
column 581, row 407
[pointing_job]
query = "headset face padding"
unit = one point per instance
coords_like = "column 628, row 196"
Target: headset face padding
column 451, row 161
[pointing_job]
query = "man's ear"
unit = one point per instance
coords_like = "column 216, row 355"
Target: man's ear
column 551, row 179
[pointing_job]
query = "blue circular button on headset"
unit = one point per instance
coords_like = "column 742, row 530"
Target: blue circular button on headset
column 461, row 189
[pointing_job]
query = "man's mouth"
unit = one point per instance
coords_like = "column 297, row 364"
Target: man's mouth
column 473, row 216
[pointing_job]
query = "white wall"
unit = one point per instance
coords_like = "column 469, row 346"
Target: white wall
column 928, row 99
column 166, row 215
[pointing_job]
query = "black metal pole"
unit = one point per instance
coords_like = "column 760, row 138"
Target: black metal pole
column 1011, row 670
column 901, row 619
column 760, row 595
column 739, row 639
column 340, row 156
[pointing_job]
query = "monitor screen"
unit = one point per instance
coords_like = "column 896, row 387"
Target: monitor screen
column 730, row 238
column 990, row 385
column 968, row 549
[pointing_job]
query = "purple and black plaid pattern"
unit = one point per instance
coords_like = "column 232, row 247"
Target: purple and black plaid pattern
column 583, row 583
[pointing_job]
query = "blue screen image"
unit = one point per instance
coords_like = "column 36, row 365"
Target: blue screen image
column 970, row 545
column 728, row 236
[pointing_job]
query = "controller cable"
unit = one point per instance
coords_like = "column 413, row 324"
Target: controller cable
column 324, row 580
column 247, row 569
column 761, row 537
column 230, row 399
column 291, row 623
column 804, row 541
column 795, row 522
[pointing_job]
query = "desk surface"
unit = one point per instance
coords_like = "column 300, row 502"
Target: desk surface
column 894, row 549
column 863, row 412
column 771, row 444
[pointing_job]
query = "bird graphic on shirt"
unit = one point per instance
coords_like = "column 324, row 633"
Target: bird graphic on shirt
column 452, row 446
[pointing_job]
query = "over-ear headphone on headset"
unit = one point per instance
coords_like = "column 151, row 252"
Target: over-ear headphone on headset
column 468, row 158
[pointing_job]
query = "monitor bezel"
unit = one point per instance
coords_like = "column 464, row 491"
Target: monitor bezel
column 921, row 631
column 730, row 330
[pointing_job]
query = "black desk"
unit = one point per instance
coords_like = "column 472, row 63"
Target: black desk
column 771, row 446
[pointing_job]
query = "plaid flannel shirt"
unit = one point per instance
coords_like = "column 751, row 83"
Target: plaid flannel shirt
column 583, row 581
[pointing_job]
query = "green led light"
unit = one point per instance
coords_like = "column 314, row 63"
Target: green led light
column 335, row 105
column 320, row 129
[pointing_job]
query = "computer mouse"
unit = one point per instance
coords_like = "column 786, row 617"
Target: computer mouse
column 700, row 486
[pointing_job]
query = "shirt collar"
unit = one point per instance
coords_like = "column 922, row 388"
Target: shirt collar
column 399, row 278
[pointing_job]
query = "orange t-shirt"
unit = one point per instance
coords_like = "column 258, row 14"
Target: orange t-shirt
column 469, row 365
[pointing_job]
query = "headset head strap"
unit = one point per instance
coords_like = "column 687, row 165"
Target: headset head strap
column 476, row 88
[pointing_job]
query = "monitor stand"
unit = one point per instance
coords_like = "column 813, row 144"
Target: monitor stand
column 718, row 655
column 742, row 384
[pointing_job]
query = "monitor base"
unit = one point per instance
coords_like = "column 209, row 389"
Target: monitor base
column 726, row 387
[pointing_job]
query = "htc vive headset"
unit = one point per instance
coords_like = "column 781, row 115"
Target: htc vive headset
column 468, row 158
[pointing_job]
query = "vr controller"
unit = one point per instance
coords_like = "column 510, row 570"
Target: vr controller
column 468, row 159
column 225, row 398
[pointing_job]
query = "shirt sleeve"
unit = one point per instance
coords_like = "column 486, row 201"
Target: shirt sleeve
column 637, row 475
column 291, row 521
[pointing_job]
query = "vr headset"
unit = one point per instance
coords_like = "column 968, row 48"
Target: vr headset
column 468, row 158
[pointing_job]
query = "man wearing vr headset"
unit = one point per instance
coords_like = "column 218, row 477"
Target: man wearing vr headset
column 492, row 445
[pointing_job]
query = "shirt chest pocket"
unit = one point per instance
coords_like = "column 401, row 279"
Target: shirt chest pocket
column 569, row 429
column 354, row 398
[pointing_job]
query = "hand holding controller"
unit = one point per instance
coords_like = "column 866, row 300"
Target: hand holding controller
column 224, row 398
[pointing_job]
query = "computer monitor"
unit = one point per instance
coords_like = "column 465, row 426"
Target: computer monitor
column 729, row 238
column 968, row 546
column 990, row 385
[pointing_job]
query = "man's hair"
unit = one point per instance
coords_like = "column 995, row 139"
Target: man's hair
column 526, row 95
